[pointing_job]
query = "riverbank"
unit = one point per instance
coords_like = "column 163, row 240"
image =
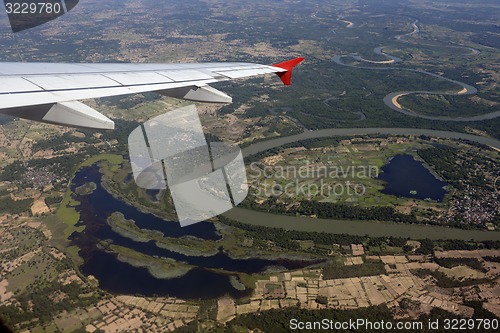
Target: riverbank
column 333, row 132
column 356, row 227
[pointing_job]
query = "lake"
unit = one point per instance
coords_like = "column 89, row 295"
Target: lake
column 118, row 277
column 407, row 177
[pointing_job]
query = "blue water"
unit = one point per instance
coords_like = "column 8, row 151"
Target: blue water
column 404, row 174
column 103, row 204
column 119, row 277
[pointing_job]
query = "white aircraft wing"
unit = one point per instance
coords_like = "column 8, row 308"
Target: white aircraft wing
column 49, row 92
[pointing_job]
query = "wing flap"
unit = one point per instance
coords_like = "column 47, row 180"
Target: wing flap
column 186, row 75
column 238, row 74
column 135, row 78
column 17, row 84
column 76, row 81
column 50, row 97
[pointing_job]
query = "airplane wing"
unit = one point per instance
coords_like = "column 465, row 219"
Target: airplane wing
column 50, row 92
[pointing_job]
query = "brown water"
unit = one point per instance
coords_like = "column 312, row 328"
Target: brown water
column 359, row 228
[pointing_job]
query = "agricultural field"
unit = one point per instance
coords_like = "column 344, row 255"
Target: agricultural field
column 319, row 234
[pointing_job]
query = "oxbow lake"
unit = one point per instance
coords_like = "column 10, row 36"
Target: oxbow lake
column 407, row 177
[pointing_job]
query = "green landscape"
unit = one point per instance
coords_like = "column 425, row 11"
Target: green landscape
column 324, row 232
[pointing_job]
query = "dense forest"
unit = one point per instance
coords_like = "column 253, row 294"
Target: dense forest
column 8, row 205
column 453, row 167
column 331, row 210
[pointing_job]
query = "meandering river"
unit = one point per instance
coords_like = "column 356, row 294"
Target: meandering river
column 331, row 132
column 391, row 99
column 356, row 227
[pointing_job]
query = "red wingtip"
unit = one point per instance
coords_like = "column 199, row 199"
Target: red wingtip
column 286, row 77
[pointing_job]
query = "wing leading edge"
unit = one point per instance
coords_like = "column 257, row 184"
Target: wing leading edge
column 49, row 92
